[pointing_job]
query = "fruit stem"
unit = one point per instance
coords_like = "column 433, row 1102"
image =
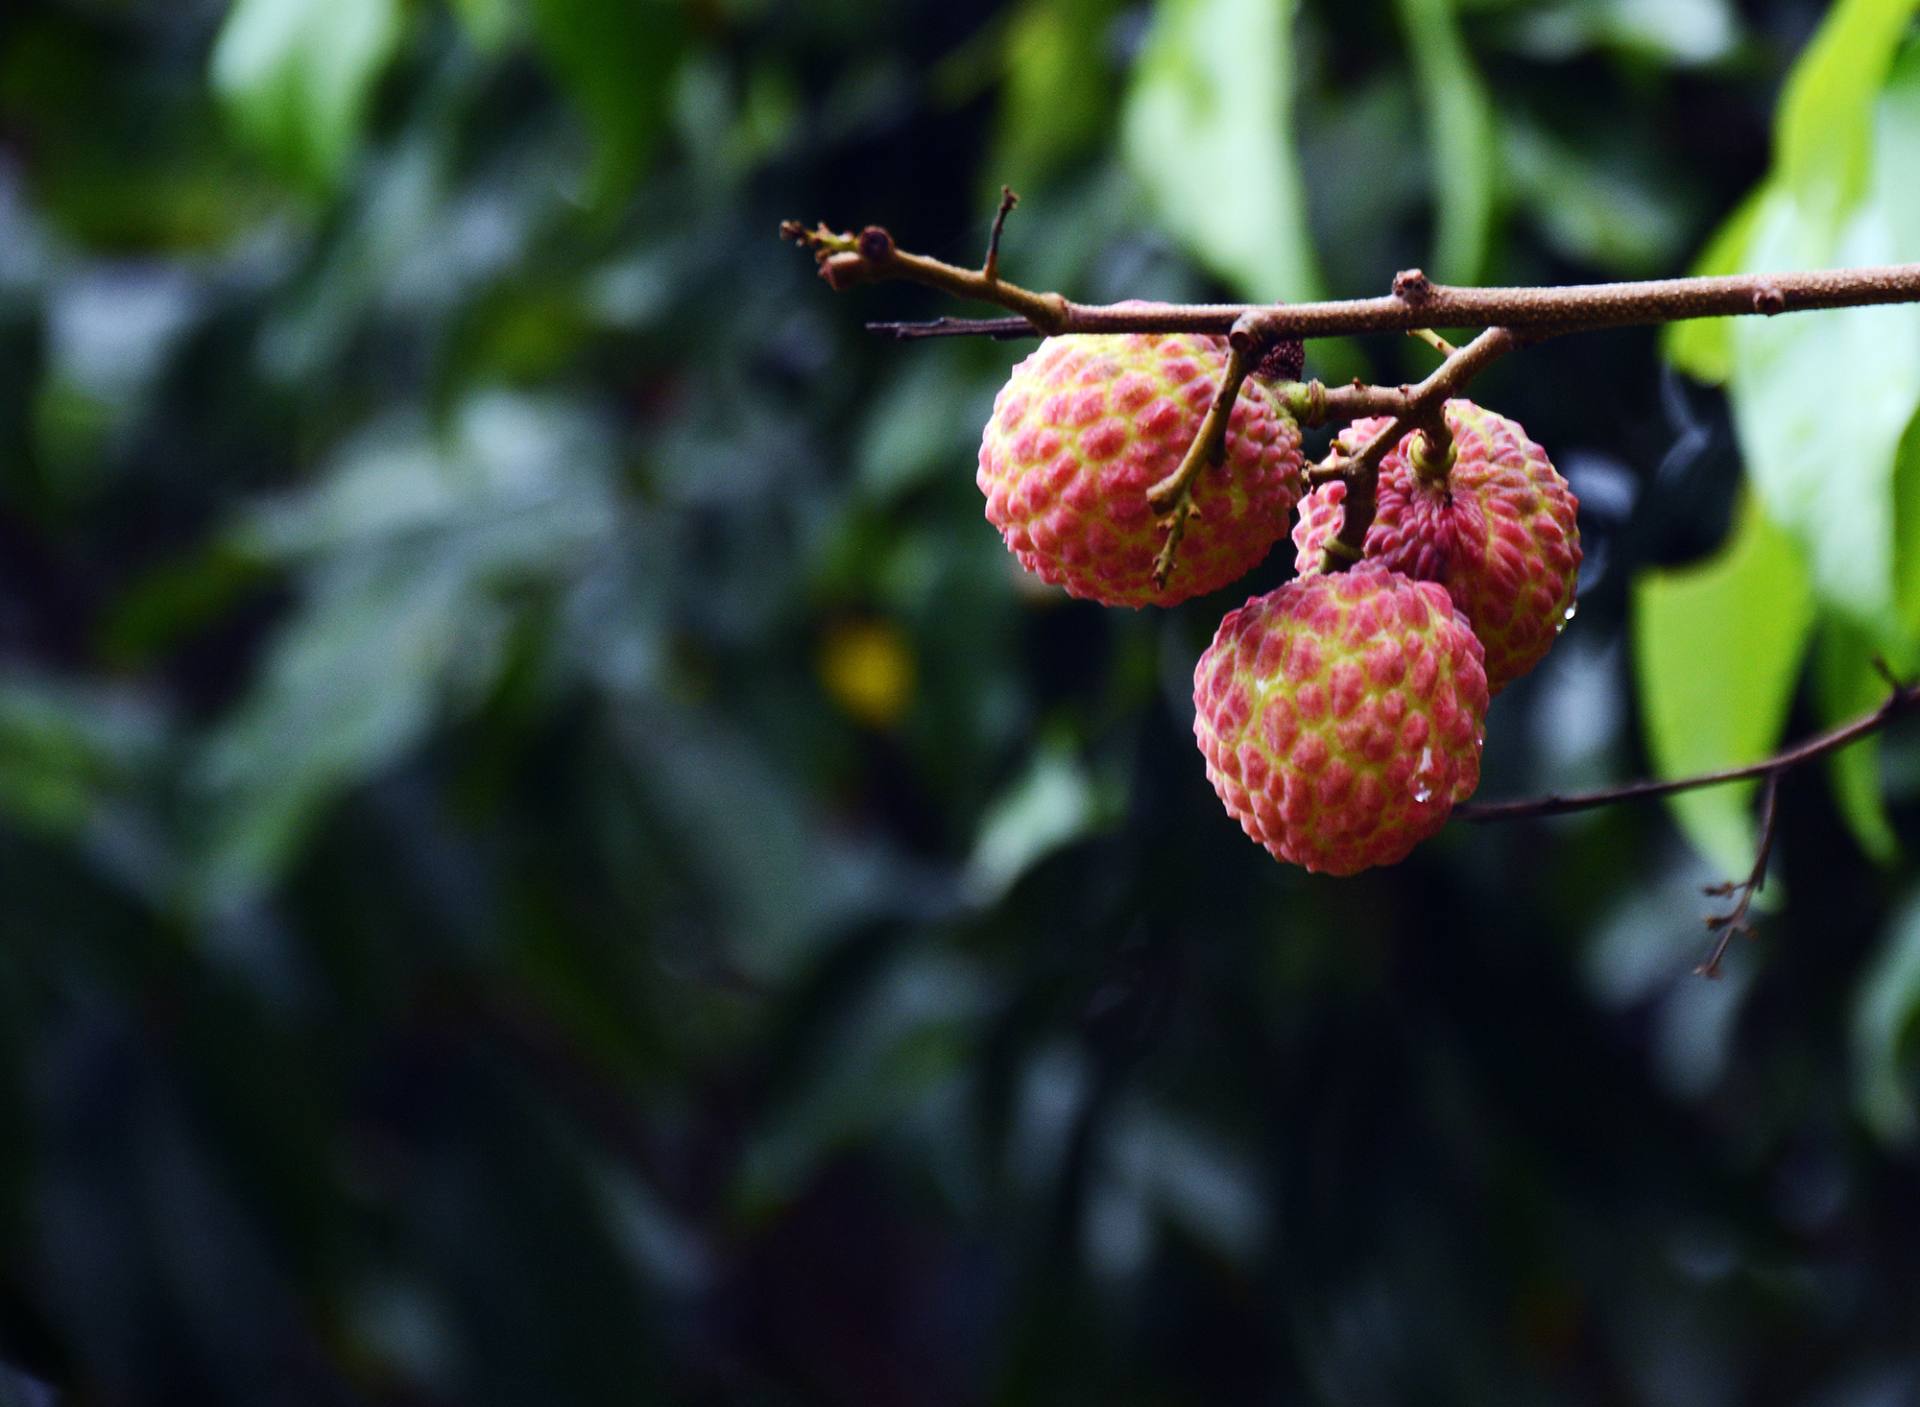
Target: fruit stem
column 1422, row 410
column 1172, row 497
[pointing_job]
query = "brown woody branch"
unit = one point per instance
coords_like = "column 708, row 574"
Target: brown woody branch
column 1902, row 699
column 871, row 256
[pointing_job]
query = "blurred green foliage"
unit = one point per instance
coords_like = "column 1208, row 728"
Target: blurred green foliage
column 548, row 854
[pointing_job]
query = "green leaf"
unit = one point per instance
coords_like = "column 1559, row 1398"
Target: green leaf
column 64, row 749
column 1821, row 402
column 615, row 59
column 297, row 75
column 489, row 23
column 1703, row 347
column 1825, row 135
column 1846, row 685
column 1823, row 132
column 1053, row 805
column 1717, row 648
column 1460, row 127
column 1208, row 133
column 1883, row 1020
column 1058, row 95
column 1676, row 33
column 1598, row 206
column 1906, row 530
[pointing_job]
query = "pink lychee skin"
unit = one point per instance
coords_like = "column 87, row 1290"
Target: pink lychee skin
column 1086, row 425
column 1341, row 717
column 1501, row 533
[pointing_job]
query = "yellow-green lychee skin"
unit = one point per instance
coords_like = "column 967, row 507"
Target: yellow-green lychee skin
column 1087, row 424
column 1500, row 532
column 1342, row 717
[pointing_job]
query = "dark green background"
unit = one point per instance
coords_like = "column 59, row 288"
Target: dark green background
column 458, row 943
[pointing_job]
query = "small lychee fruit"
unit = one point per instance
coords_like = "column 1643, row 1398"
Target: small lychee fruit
column 1341, row 717
column 1087, row 424
column 1497, row 527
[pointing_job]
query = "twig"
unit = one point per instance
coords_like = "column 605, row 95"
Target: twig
column 1903, row 699
column 1734, row 920
column 1420, row 410
column 1173, row 496
column 871, row 256
column 1417, row 301
column 1432, row 339
column 990, row 267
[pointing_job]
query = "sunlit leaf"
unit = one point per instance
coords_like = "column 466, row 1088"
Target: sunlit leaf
column 297, row 75
column 1459, row 119
column 1823, row 133
column 1208, row 132
column 1906, row 531
column 1821, row 401
column 1717, row 650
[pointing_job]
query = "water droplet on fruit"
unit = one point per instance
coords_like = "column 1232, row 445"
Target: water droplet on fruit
column 1571, row 612
column 1422, row 783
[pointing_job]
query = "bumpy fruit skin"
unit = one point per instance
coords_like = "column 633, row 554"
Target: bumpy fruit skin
column 1341, row 717
column 1499, row 532
column 1086, row 425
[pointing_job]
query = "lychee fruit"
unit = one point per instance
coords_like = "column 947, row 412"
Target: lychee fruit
column 1087, row 424
column 1341, row 717
column 1497, row 527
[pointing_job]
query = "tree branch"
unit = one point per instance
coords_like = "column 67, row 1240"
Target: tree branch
column 1734, row 920
column 1903, row 699
column 1416, row 302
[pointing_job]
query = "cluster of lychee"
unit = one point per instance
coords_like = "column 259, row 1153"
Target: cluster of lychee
column 1342, row 715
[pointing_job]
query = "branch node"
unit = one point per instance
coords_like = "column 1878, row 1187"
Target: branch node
column 1413, row 287
column 1768, row 299
column 875, row 245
